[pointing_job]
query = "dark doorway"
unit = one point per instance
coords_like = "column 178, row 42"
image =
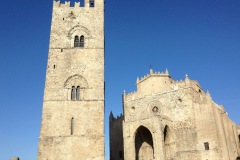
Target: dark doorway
column 144, row 144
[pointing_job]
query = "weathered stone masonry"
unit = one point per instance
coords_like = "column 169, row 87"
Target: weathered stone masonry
column 164, row 119
column 73, row 106
column 168, row 119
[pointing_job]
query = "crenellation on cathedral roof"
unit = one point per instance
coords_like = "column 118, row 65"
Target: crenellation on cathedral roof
column 159, row 83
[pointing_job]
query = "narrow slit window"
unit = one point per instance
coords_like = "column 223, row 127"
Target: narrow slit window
column 91, row 3
column 206, row 145
column 239, row 138
column 76, row 41
column 73, row 93
column 78, row 93
column 72, row 125
column 82, row 41
column 165, row 134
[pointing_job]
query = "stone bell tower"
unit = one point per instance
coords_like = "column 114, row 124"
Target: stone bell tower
column 72, row 125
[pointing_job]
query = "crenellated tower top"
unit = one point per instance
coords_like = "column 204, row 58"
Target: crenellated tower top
column 87, row 3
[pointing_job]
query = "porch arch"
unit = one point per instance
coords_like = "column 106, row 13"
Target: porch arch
column 144, row 148
column 168, row 142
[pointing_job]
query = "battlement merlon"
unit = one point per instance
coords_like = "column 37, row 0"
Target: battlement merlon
column 112, row 118
column 152, row 73
column 87, row 3
column 160, row 82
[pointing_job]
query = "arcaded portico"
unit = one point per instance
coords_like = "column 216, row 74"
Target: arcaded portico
column 149, row 140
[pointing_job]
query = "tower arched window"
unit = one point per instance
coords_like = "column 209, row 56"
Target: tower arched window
column 91, row 3
column 206, row 146
column 81, row 41
column 76, row 41
column 73, row 93
column 78, row 93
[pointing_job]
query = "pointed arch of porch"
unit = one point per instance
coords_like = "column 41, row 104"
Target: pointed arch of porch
column 169, row 142
column 144, row 145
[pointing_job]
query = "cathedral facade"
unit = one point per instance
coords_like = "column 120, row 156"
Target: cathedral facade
column 167, row 119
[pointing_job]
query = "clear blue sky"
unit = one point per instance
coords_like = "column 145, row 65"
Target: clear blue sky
column 197, row 37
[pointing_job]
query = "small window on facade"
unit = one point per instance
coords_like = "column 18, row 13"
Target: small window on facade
column 239, row 138
column 61, row 50
column 120, row 154
column 91, row 3
column 82, row 41
column 54, row 66
column 78, row 93
column 76, row 41
column 72, row 125
column 73, row 93
column 206, row 145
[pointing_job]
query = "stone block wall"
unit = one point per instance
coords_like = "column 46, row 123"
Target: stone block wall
column 116, row 137
column 73, row 128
